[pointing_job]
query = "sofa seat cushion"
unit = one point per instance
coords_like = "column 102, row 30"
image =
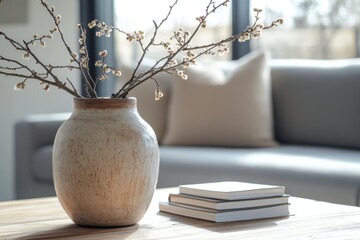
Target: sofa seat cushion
column 314, row 172
column 321, row 173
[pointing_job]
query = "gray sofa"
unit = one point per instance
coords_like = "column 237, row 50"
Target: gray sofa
column 316, row 124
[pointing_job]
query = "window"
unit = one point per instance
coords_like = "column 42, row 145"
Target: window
column 138, row 15
column 326, row 29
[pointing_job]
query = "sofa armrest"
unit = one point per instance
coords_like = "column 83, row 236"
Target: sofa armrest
column 32, row 133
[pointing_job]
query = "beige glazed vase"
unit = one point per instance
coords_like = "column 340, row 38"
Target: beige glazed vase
column 105, row 163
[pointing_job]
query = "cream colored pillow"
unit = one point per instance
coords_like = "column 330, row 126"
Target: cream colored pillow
column 214, row 109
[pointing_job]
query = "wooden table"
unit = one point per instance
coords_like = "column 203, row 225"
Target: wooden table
column 43, row 218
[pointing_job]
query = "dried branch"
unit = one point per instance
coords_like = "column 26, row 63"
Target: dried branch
column 180, row 43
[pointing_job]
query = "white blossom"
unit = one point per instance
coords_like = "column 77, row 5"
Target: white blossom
column 103, row 77
column 103, row 53
column 116, row 72
column 82, row 50
column 158, row 94
column 92, row 24
column 180, row 73
column 107, row 69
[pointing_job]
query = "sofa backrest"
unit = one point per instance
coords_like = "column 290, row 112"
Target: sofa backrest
column 317, row 102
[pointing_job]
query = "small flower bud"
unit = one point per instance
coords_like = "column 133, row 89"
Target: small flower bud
column 158, row 94
column 257, row 10
column 103, row 77
column 46, row 87
column 98, row 63
column 180, row 73
column 92, row 24
column 244, row 37
column 81, row 40
column 280, row 21
column 103, row 53
column 170, row 50
column 82, row 50
column 107, row 69
column 19, row 86
column 116, row 72
column 74, row 55
column 26, row 56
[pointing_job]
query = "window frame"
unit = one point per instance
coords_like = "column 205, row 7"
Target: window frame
column 104, row 10
column 240, row 20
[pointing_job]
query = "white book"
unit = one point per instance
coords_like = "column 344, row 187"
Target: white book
column 232, row 190
column 225, row 216
column 217, row 204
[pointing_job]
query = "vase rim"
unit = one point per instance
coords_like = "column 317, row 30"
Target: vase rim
column 104, row 103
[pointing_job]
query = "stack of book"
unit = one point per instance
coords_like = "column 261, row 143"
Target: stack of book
column 228, row 201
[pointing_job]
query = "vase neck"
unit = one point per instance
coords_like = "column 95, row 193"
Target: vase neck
column 104, row 103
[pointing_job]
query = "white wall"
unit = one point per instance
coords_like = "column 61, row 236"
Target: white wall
column 15, row 105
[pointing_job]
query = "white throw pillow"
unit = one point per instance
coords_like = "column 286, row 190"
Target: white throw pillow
column 212, row 108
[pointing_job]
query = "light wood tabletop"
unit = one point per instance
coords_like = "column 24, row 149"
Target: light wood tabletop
column 43, row 218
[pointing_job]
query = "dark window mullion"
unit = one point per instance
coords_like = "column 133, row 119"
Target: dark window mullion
column 240, row 20
column 103, row 11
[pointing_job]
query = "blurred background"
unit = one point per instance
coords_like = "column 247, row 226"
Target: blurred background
column 327, row 29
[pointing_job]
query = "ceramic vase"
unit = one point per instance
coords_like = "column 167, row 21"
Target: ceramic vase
column 105, row 163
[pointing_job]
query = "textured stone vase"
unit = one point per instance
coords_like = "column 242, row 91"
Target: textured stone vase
column 105, row 163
